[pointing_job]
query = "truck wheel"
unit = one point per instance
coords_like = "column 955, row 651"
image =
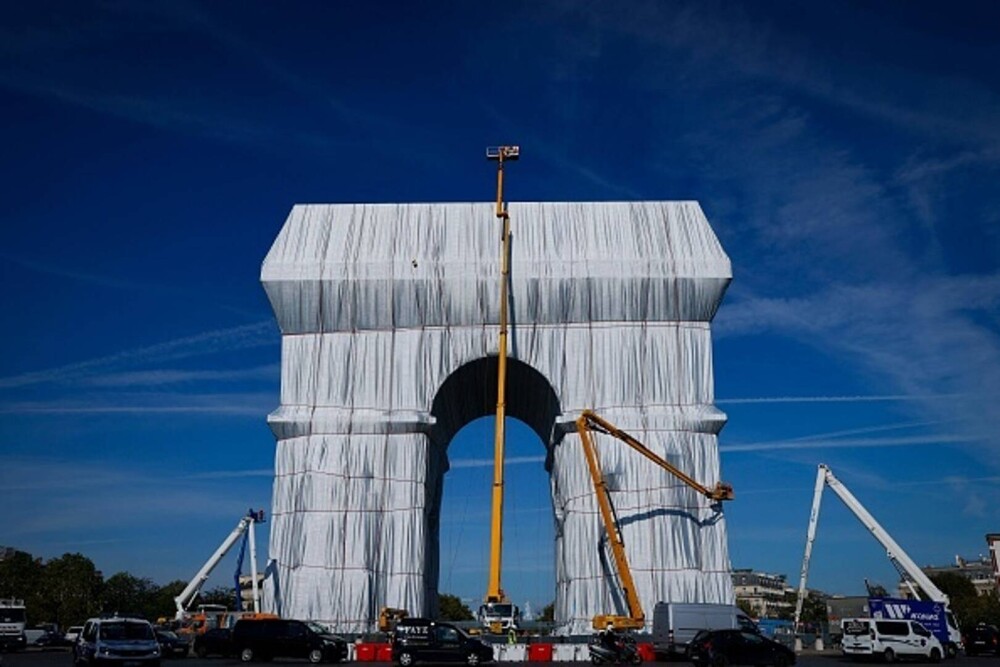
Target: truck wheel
column 935, row 655
column 246, row 655
column 406, row 659
column 890, row 656
column 951, row 650
column 315, row 656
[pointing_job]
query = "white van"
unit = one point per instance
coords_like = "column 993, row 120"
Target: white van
column 865, row 637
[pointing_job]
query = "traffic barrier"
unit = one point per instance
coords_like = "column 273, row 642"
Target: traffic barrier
column 365, row 653
column 383, row 653
column 570, row 652
column 540, row 653
column 646, row 651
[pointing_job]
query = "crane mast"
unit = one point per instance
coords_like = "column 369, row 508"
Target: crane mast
column 494, row 591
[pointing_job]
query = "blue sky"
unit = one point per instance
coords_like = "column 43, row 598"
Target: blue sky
column 846, row 155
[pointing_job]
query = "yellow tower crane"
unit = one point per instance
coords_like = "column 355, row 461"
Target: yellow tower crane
column 497, row 613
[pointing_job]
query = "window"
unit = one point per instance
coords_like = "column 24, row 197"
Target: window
column 855, row 627
column 125, row 630
column 894, row 628
column 920, row 630
column 90, row 632
column 446, row 634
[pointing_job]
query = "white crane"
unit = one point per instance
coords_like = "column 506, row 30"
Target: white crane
column 191, row 590
column 899, row 558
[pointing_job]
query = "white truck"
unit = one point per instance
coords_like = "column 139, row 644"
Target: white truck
column 12, row 620
column 932, row 610
column 676, row 623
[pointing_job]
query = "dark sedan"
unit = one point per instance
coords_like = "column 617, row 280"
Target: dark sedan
column 719, row 648
column 982, row 639
column 217, row 641
column 171, row 644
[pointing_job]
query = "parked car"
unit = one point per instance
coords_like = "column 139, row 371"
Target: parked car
column 216, row 641
column 720, row 648
column 420, row 639
column 72, row 632
column 867, row 637
column 982, row 639
column 172, row 644
column 675, row 624
column 116, row 642
column 264, row 639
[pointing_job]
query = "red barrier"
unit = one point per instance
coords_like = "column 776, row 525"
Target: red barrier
column 539, row 652
column 383, row 652
column 364, row 652
column 647, row 652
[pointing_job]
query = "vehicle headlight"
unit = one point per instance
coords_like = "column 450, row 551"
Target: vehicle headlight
column 104, row 650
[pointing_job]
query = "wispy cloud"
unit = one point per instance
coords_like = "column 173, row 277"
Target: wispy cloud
column 907, row 441
column 233, row 404
column 488, row 463
column 233, row 474
column 835, row 399
column 243, row 337
column 159, row 377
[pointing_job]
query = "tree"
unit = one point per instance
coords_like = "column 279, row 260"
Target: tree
column 548, row 614
column 814, row 609
column 163, row 601
column 126, row 594
column 20, row 577
column 746, row 607
column 224, row 595
column 453, row 609
column 70, row 590
column 969, row 607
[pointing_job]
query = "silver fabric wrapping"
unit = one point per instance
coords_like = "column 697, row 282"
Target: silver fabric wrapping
column 388, row 316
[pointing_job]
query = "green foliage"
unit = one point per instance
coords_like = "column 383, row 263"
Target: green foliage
column 745, row 606
column 548, row 614
column 20, row 577
column 224, row 595
column 878, row 591
column 126, row 594
column 451, row 608
column 162, row 604
column 955, row 586
column 969, row 607
column 70, row 590
column 814, row 609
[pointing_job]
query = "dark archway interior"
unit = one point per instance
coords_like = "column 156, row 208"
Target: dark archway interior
column 471, row 392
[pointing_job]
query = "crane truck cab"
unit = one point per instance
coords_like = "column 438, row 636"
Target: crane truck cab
column 12, row 621
column 498, row 617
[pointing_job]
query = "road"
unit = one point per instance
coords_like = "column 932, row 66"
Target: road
column 63, row 659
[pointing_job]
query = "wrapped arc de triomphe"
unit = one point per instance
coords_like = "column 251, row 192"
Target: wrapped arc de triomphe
column 389, row 319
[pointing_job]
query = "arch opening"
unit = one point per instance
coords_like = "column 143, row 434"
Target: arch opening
column 464, row 409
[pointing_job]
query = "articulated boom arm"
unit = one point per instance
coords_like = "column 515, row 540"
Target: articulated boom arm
column 589, row 421
column 825, row 477
column 191, row 590
column 636, row 618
